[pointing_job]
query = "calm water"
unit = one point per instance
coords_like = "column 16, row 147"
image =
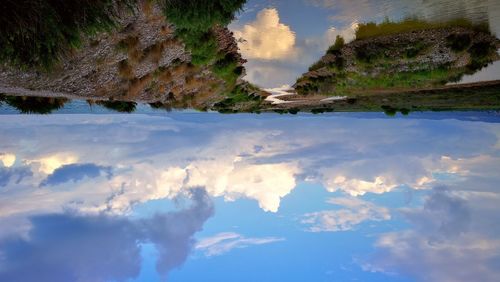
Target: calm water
column 208, row 197
column 87, row 194
column 281, row 39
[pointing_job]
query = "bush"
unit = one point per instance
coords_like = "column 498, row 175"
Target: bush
column 459, row 42
column 119, row 106
column 337, row 46
column 34, row 105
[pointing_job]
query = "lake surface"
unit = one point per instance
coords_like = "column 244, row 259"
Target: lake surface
column 281, row 39
column 210, row 197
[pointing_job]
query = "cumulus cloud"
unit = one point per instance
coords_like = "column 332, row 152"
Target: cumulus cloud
column 380, row 175
column 240, row 158
column 225, row 242
column 266, row 38
column 49, row 164
column 442, row 246
column 71, row 247
column 7, row 160
column 75, row 172
column 353, row 212
column 347, row 32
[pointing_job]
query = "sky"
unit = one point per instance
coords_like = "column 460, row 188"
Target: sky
column 209, row 197
column 281, row 39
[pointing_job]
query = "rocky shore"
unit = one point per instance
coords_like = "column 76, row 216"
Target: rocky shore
column 141, row 61
column 417, row 59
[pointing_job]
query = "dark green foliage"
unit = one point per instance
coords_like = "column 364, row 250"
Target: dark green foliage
column 240, row 97
column 459, row 42
column 194, row 20
column 480, row 55
column 415, row 49
column 389, row 111
column 34, row 105
column 201, row 15
column 35, row 33
column 337, row 46
column 161, row 106
column 368, row 53
column 228, row 69
column 119, row 106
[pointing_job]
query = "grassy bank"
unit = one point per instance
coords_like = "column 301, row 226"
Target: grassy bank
column 387, row 27
column 36, row 33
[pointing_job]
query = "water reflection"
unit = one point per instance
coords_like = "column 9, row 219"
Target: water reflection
column 102, row 197
column 301, row 30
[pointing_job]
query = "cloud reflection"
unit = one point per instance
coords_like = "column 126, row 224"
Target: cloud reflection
column 73, row 247
column 451, row 241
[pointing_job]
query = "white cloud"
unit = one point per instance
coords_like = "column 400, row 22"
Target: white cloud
column 267, row 38
column 453, row 239
column 7, row 160
column 347, row 32
column 50, row 163
column 354, row 212
column 225, row 242
column 379, row 175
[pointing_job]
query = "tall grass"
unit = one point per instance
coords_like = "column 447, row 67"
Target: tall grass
column 36, row 33
column 371, row 29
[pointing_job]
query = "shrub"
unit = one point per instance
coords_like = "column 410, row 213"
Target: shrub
column 337, row 46
column 34, row 105
column 459, row 42
column 118, row 106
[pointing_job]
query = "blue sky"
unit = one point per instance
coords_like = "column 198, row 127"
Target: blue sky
column 320, row 198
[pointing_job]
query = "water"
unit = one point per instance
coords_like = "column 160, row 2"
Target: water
column 343, row 196
column 281, row 39
column 91, row 194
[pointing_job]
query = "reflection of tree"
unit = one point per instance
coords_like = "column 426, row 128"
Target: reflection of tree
column 34, row 105
column 119, row 106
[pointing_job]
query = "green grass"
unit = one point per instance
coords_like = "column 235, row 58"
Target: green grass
column 228, row 69
column 36, row 33
column 371, row 29
column 239, row 99
column 406, row 80
column 194, row 20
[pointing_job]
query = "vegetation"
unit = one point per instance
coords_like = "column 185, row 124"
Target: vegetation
column 244, row 97
column 194, row 20
column 371, row 29
column 35, row 33
column 486, row 97
column 337, row 46
column 34, row 105
column 382, row 64
column 118, row 106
